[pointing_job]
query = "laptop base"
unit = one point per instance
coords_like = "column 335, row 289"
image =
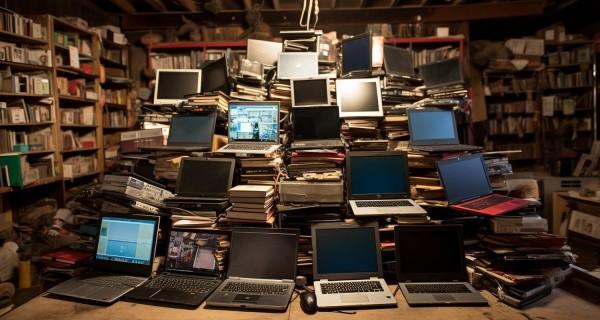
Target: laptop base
column 384, row 298
column 171, row 297
column 446, row 148
column 413, row 209
column 222, row 299
column 472, row 298
column 176, row 148
column 317, row 144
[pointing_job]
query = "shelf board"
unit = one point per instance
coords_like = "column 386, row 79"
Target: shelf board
column 83, row 175
column 199, row 45
column 82, row 150
column 110, row 44
column 424, row 40
column 567, row 43
column 37, row 183
column 35, row 152
column 13, row 37
column 24, row 95
column 71, row 71
column 78, row 126
column 115, row 105
column 61, row 25
column 560, row 66
column 570, row 88
column 23, row 66
column 76, row 99
column 115, row 128
column 110, row 63
column 28, row 124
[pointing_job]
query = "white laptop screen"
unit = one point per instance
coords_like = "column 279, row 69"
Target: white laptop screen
column 359, row 97
column 250, row 122
column 173, row 85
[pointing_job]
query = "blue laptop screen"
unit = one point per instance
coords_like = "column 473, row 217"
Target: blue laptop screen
column 378, row 175
column 191, row 251
column 191, row 130
column 254, row 122
column 432, row 125
column 126, row 240
column 464, row 179
column 346, row 250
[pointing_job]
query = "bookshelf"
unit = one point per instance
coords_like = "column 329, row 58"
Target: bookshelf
column 191, row 55
column 430, row 49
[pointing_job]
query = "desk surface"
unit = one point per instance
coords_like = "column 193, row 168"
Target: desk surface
column 568, row 302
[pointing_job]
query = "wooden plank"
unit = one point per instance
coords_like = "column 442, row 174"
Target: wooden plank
column 157, row 5
column 124, row 5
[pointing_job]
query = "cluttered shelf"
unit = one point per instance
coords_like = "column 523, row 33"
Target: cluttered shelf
column 198, row 45
column 14, row 37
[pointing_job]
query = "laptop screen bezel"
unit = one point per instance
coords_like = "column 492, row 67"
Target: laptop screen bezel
column 444, row 84
column 430, row 277
column 180, row 177
column 213, row 117
column 211, row 231
column 373, row 196
column 351, row 114
column 253, row 103
column 440, row 163
column 351, row 275
column 334, row 125
column 430, row 142
column 124, row 267
column 216, row 64
column 386, row 57
column 175, row 101
column 323, row 103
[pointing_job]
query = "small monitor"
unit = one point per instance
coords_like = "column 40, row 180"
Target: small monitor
column 297, row 65
column 126, row 240
column 398, row 61
column 215, row 77
column 359, row 97
column 216, row 176
column 254, row 122
column 464, row 178
column 310, row 92
column 197, row 251
column 432, row 126
column 173, row 85
column 356, row 54
column 382, row 174
column 314, row 123
column 265, row 52
column 443, row 73
column 192, row 130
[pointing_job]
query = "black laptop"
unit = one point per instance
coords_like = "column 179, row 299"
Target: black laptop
column 194, row 264
column 444, row 75
column 189, row 132
column 434, row 130
column 316, row 127
column 398, row 62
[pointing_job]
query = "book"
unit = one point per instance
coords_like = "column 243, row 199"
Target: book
column 67, row 256
column 251, row 191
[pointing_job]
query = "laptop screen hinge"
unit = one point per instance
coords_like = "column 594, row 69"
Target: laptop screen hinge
column 373, row 278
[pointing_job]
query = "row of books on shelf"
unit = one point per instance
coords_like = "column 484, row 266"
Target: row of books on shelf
column 512, row 86
column 79, row 165
column 580, row 124
column 20, row 170
column 118, row 96
column 581, row 55
column 76, row 87
column 16, row 23
column 11, row 52
column 78, row 116
column 524, row 106
column 73, row 140
column 25, row 83
column 554, row 79
column 194, row 58
column 426, row 56
column 115, row 55
column 73, row 39
column 512, row 126
column 567, row 104
column 115, row 119
column 24, row 141
column 19, row 111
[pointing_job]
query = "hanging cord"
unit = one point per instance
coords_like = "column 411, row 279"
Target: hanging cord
column 306, row 14
column 316, row 13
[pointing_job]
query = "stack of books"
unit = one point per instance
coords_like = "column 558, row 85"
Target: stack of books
column 63, row 264
column 252, row 204
column 210, row 102
column 281, row 91
column 260, row 170
column 249, row 89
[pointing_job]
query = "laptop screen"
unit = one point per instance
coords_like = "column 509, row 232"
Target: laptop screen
column 263, row 255
column 465, row 178
column 265, row 52
column 398, row 61
column 359, row 97
column 429, row 253
column 443, row 73
column 254, row 122
column 356, row 54
column 215, row 175
column 126, row 240
column 297, row 65
column 173, row 85
column 313, row 123
column 310, row 92
column 197, row 251
column 215, row 77
column 377, row 175
column 432, row 127
column 192, row 130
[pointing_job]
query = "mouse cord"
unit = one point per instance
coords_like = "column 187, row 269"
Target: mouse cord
column 297, row 292
column 345, row 312
column 396, row 291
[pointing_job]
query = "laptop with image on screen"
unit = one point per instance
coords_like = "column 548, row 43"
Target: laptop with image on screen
column 189, row 132
column 173, row 85
column 347, row 266
column 434, row 130
column 359, row 97
column 316, row 127
column 467, row 186
column 123, row 260
column 194, row 265
column 430, row 266
column 310, row 92
column 398, row 62
column 261, row 272
column 253, row 127
column 297, row 65
column 378, row 184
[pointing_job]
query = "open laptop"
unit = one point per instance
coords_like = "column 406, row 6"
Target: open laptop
column 189, row 133
column 216, row 177
column 253, row 127
column 442, row 75
column 434, row 130
column 359, row 97
column 356, row 56
column 398, row 62
column 430, row 266
column 310, row 92
column 297, row 65
column 173, row 85
column 316, row 127
column 193, row 267
column 265, row 52
column 347, row 266
column 378, row 184
column 215, row 77
column 467, row 187
column 124, row 257
column 262, row 269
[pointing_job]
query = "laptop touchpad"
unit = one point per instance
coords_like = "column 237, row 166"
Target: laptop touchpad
column 354, row 298
column 248, row 298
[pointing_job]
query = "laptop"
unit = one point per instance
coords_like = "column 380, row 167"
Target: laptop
column 378, row 185
column 398, row 62
column 467, row 186
column 216, row 175
column 253, row 127
column 194, row 263
column 347, row 266
column 297, row 65
column 356, row 56
column 359, row 97
column 261, row 272
column 310, row 92
column 173, row 85
column 215, row 77
column 189, row 133
column 316, row 127
column 430, row 266
column 265, row 52
column 123, row 261
column 446, row 74
column 434, row 130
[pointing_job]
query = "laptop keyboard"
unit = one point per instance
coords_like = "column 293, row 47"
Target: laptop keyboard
column 383, row 203
column 485, row 202
column 190, row 285
column 351, row 287
column 449, row 147
column 437, row 288
column 246, row 147
column 256, row 288
column 112, row 281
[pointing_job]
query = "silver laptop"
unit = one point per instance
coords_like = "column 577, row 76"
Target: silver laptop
column 253, row 127
column 434, row 130
column 347, row 266
column 189, row 133
column 378, row 184
column 297, row 65
column 316, row 127
column 310, row 92
column 265, row 52
column 123, row 260
column 430, row 266
column 262, row 269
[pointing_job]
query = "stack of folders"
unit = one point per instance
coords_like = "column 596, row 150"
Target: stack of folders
column 252, row 204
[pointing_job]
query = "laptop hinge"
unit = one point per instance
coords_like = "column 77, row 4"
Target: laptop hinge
column 374, row 278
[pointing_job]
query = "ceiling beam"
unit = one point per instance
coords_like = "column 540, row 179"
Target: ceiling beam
column 124, row 5
column 189, row 5
column 157, row 5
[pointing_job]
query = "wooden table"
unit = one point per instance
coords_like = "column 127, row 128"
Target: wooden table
column 569, row 302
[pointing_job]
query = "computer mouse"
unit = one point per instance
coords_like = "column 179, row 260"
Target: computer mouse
column 308, row 302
